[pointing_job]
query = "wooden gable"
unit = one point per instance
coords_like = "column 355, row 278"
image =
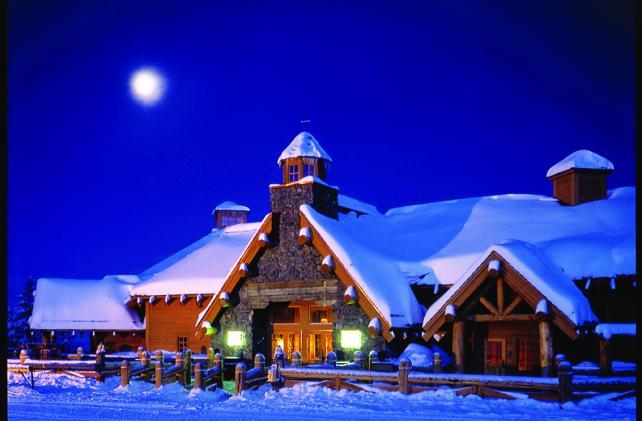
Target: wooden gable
column 474, row 293
column 251, row 252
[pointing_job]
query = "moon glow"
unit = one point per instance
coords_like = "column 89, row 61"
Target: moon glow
column 147, row 86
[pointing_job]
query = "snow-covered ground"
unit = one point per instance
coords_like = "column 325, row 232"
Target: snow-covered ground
column 80, row 398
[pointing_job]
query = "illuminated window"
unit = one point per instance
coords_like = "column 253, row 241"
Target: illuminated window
column 294, row 173
column 319, row 315
column 234, row 338
column 351, row 339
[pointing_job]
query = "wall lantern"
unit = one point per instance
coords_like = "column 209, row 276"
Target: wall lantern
column 209, row 329
column 234, row 338
column 351, row 339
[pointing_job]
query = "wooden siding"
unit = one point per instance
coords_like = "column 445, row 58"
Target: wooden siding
column 576, row 186
column 166, row 322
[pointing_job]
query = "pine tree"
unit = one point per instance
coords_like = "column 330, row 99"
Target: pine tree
column 18, row 317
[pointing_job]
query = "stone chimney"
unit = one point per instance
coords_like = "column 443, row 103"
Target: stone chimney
column 580, row 177
column 230, row 213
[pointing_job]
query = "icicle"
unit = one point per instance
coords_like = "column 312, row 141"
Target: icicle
column 168, row 299
column 587, row 285
column 183, row 298
column 73, row 333
column 199, row 298
column 152, row 299
column 612, row 283
column 93, row 333
column 114, row 333
column 435, row 290
column 139, row 301
column 633, row 284
column 53, row 332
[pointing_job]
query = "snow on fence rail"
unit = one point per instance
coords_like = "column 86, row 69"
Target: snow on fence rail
column 360, row 375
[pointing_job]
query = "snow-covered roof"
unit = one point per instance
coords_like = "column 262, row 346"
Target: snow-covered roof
column 606, row 330
column 382, row 282
column 550, row 280
column 231, row 206
column 304, row 145
column 583, row 159
column 200, row 268
column 357, row 205
column 85, row 304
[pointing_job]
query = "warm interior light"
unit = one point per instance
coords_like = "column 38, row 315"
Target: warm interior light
column 351, row 339
column 234, row 338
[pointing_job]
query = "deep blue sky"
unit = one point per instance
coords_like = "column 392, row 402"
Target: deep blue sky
column 415, row 102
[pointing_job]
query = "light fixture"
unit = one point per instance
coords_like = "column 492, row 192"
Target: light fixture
column 351, row 339
column 234, row 338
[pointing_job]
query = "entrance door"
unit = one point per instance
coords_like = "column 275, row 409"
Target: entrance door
column 495, row 356
column 304, row 327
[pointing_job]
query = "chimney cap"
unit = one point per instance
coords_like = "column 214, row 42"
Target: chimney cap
column 231, row 206
column 582, row 159
column 304, row 145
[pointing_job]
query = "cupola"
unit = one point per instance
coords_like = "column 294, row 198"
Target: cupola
column 230, row 213
column 580, row 177
column 304, row 157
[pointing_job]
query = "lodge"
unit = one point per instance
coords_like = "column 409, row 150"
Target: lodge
column 500, row 284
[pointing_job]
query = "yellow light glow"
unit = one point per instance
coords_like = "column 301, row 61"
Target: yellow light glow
column 147, row 86
column 234, row 338
column 351, row 339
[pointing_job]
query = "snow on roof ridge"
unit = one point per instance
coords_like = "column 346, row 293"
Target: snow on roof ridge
column 248, row 226
column 304, row 145
column 583, row 159
column 230, row 206
column 351, row 203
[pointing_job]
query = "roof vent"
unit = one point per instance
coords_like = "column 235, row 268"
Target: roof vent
column 580, row 177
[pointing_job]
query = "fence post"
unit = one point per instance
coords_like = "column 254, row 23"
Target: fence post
column 279, row 356
column 357, row 357
column 180, row 363
column 188, row 367
column 44, row 354
column 297, row 359
column 139, row 351
column 436, row 362
column 100, row 366
column 239, row 378
column 565, row 376
column 373, row 357
column 24, row 354
column 124, row 373
column 259, row 362
column 79, row 352
column 558, row 359
column 198, row 376
column 159, row 372
column 405, row 366
column 331, row 359
column 218, row 362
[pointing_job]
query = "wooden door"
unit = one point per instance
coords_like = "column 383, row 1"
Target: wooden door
column 495, row 357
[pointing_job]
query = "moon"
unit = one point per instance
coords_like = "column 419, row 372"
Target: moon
column 147, row 86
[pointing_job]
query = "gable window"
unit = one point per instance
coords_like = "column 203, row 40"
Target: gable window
column 182, row 343
column 294, row 173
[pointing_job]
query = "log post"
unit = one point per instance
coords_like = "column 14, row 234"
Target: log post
column 357, row 357
column 297, row 359
column 558, row 359
column 159, row 372
column 24, row 354
column 605, row 357
column 139, row 351
column 279, row 357
column 180, row 363
column 100, row 366
column 373, row 357
column 239, row 378
column 79, row 352
column 144, row 360
column 218, row 362
column 565, row 376
column 188, row 367
column 198, row 376
column 405, row 366
column 331, row 359
column 436, row 362
column 210, row 357
column 259, row 362
column 458, row 344
column 545, row 348
column 158, row 356
column 124, row 373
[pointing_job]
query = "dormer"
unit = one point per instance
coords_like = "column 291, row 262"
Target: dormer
column 580, row 177
column 302, row 158
column 230, row 213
